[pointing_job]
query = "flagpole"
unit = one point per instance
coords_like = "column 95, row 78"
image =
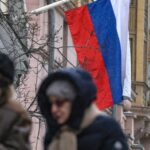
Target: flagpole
column 47, row 7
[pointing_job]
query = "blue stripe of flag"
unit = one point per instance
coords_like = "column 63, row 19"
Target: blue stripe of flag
column 104, row 23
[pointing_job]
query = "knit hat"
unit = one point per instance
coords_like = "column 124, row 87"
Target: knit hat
column 61, row 88
column 7, row 67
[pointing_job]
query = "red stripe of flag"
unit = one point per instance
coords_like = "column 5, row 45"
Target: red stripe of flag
column 89, row 53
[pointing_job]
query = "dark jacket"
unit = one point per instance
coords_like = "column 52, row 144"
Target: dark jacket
column 103, row 134
column 15, row 127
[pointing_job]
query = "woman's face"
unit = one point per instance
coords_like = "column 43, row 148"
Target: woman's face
column 60, row 109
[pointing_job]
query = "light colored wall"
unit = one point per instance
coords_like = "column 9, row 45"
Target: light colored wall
column 26, row 95
column 59, row 20
column 36, row 74
column 72, row 56
column 32, row 79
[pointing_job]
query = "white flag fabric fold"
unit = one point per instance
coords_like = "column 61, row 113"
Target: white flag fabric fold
column 121, row 10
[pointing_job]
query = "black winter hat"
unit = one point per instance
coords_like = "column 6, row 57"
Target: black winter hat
column 7, row 67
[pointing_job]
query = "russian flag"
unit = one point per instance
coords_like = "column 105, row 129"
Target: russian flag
column 95, row 33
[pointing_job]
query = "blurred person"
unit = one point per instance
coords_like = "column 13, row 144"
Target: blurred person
column 15, row 124
column 65, row 99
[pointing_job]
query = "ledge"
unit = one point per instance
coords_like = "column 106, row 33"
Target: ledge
column 137, row 147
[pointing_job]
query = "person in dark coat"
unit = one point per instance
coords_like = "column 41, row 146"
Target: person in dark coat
column 65, row 99
column 15, row 124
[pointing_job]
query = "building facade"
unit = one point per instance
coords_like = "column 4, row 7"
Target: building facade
column 64, row 55
column 136, row 122
column 139, row 41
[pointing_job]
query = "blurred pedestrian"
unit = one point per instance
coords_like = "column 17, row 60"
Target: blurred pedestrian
column 15, row 125
column 73, row 122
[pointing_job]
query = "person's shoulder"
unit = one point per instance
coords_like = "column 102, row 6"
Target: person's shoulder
column 108, row 124
column 105, row 119
column 17, row 108
column 14, row 106
column 13, row 115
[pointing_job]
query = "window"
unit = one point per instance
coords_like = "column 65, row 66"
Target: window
column 145, row 60
column 133, row 3
column 146, row 19
column 132, row 49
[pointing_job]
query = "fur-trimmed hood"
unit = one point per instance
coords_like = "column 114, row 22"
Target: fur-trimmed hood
column 85, row 88
column 86, row 94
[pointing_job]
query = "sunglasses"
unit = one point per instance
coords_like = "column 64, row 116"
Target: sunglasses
column 59, row 103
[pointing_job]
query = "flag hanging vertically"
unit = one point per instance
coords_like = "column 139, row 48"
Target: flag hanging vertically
column 121, row 11
column 94, row 30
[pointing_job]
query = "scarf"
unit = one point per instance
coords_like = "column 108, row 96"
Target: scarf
column 66, row 138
